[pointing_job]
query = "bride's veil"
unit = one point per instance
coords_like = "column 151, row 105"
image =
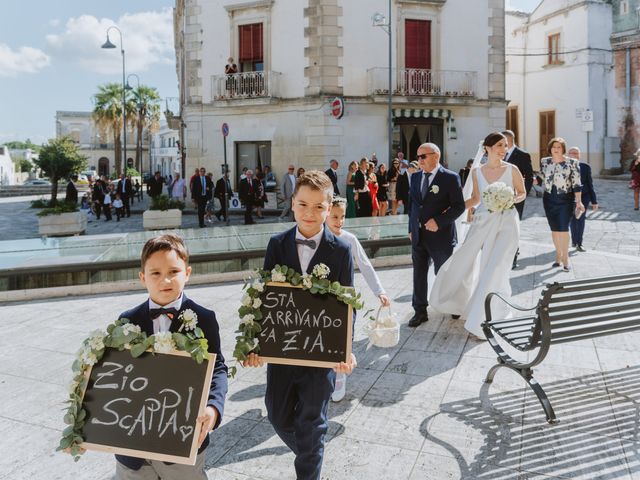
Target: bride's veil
column 467, row 191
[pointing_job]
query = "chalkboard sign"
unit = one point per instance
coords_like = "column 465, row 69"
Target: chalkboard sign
column 147, row 406
column 301, row 328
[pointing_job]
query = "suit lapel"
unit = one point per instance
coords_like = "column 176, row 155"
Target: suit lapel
column 175, row 323
column 327, row 244
column 144, row 319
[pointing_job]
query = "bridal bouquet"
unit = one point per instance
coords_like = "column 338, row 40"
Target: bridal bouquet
column 498, row 197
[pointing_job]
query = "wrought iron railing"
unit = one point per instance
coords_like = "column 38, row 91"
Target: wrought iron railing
column 245, row 85
column 422, row 82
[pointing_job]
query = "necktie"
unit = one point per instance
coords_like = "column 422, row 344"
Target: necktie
column 250, row 185
column 204, row 187
column 308, row 243
column 156, row 312
column 425, row 184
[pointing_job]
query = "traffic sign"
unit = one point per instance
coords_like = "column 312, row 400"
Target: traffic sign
column 587, row 121
column 225, row 129
column 337, row 107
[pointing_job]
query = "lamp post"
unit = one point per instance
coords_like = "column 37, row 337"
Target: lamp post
column 138, row 107
column 383, row 22
column 108, row 44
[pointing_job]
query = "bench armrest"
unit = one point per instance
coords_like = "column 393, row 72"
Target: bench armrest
column 487, row 305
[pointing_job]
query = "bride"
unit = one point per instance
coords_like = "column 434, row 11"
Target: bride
column 483, row 262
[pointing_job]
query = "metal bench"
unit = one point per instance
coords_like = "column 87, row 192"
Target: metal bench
column 566, row 312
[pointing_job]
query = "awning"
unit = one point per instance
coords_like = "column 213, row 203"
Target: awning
column 443, row 113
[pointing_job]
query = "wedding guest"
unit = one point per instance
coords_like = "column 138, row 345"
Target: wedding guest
column 351, row 202
column 210, row 208
column 165, row 272
column 299, row 172
column 97, row 197
column 383, row 186
column 155, row 185
column 464, row 172
column 261, row 195
column 125, row 189
column 402, row 187
column 635, row 179
column 72, row 191
column 249, row 190
column 372, row 182
column 361, row 188
column 201, row 193
column 332, row 173
column 118, row 206
column 588, row 197
column 288, row 186
column 269, row 178
column 562, row 196
column 192, row 179
column 223, row 192
column 178, row 188
column 335, row 222
column 106, row 205
column 392, row 177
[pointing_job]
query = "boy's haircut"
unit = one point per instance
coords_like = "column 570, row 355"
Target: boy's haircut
column 164, row 243
column 339, row 202
column 315, row 180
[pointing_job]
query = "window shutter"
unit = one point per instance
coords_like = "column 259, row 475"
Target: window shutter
column 417, row 44
column 250, row 43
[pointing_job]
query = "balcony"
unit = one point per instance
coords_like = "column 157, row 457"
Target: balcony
column 413, row 82
column 245, row 85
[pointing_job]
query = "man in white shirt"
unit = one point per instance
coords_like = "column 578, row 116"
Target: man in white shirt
column 178, row 188
column 288, row 186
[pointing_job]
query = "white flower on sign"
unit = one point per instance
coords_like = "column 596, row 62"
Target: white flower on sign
column 246, row 300
column 258, row 286
column 163, row 342
column 256, row 303
column 247, row 319
column 88, row 357
column 435, row 189
column 128, row 328
column 321, row 270
column 307, row 281
column 276, row 276
column 189, row 319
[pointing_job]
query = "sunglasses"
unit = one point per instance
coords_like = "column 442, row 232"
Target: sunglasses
column 425, row 155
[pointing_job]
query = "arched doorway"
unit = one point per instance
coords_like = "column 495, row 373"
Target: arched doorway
column 103, row 166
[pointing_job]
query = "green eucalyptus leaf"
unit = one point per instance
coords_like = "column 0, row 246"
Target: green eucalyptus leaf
column 137, row 350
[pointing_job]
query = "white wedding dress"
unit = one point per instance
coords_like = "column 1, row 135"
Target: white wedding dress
column 481, row 264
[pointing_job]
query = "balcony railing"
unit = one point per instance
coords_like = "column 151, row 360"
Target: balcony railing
column 246, row 85
column 422, row 82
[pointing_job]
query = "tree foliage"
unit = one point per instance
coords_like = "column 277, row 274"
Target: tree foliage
column 58, row 159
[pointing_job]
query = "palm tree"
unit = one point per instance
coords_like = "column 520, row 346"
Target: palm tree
column 146, row 102
column 107, row 115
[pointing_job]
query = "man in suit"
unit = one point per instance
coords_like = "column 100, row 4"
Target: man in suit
column 154, row 185
column 522, row 160
column 332, row 173
column 588, row 197
column 288, row 186
column 223, row 193
column 201, row 193
column 125, row 189
column 249, row 190
column 72, row 191
column 436, row 202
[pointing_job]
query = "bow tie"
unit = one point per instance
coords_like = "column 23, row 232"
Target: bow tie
column 156, row 312
column 308, row 243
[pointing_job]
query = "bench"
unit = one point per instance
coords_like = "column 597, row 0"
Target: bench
column 566, row 312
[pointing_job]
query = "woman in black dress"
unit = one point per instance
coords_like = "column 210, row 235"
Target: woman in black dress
column 383, row 186
column 562, row 196
column 361, row 188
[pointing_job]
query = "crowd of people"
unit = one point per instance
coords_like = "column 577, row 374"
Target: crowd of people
column 105, row 197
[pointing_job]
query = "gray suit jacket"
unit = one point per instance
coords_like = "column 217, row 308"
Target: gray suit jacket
column 287, row 187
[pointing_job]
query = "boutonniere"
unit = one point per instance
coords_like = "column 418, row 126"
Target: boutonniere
column 434, row 189
column 189, row 320
column 321, row 270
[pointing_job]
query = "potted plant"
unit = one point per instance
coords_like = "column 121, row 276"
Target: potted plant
column 164, row 212
column 62, row 219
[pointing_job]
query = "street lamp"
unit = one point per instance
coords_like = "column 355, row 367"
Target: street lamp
column 138, row 107
column 108, row 44
column 379, row 20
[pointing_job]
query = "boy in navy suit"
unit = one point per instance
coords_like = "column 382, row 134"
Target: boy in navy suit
column 165, row 270
column 297, row 398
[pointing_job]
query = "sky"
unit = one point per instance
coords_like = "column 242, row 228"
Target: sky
column 50, row 56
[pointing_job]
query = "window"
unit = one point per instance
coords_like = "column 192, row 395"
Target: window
column 251, row 155
column 624, row 7
column 251, row 57
column 512, row 122
column 417, row 48
column 554, row 49
column 547, row 131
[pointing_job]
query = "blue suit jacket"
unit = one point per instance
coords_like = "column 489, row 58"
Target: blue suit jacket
column 207, row 322
column 588, row 193
column 444, row 207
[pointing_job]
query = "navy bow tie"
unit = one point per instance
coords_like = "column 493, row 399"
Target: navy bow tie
column 308, row 243
column 169, row 312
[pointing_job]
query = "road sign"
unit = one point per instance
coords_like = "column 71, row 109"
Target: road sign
column 225, row 129
column 337, row 107
column 587, row 121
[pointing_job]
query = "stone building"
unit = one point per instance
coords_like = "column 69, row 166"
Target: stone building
column 165, row 152
column 296, row 57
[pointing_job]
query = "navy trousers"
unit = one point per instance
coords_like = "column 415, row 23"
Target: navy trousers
column 297, row 400
column 421, row 255
column 577, row 226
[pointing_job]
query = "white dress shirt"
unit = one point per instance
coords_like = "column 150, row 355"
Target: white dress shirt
column 306, row 253
column 432, row 175
column 293, row 180
column 163, row 322
column 363, row 263
column 509, row 152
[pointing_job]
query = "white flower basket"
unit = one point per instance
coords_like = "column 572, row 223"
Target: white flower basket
column 384, row 331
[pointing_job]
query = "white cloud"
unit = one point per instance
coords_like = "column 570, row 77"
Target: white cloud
column 147, row 37
column 22, row 60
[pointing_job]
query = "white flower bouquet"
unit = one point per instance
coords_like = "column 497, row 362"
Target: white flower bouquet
column 383, row 329
column 498, row 197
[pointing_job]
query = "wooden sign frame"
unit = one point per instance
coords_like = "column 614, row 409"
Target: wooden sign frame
column 314, row 363
column 193, row 451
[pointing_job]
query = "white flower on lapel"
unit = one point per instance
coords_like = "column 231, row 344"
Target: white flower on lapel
column 189, row 319
column 435, row 189
column 321, row 270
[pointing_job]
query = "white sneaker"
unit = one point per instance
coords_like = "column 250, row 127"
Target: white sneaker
column 341, row 387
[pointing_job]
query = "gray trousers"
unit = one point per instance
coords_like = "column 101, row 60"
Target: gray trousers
column 286, row 210
column 157, row 470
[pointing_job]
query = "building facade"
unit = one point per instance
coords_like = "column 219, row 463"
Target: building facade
column 559, row 76
column 295, row 57
column 97, row 146
column 165, row 152
column 625, row 43
column 7, row 167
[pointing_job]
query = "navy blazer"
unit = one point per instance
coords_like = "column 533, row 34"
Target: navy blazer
column 444, row 207
column 207, row 322
column 588, row 193
column 334, row 252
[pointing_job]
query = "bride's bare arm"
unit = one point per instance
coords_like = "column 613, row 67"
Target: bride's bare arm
column 518, row 184
column 475, row 196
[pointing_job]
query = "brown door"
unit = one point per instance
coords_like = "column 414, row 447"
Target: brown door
column 547, row 131
column 512, row 122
